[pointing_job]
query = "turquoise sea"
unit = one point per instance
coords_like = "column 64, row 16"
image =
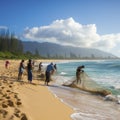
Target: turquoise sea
column 104, row 72
column 87, row 106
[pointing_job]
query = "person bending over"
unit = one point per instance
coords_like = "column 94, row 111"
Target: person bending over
column 49, row 71
column 78, row 72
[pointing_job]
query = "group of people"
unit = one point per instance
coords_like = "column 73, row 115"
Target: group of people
column 29, row 70
column 49, row 70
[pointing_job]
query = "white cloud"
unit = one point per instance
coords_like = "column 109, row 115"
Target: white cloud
column 66, row 32
column 70, row 32
column 109, row 43
column 3, row 27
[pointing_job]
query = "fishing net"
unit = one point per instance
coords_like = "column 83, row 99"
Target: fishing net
column 87, row 84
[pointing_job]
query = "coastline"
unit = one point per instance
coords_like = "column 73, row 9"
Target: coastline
column 36, row 101
column 23, row 101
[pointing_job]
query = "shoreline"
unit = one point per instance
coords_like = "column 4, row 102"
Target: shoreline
column 24, row 101
column 36, row 101
column 87, row 105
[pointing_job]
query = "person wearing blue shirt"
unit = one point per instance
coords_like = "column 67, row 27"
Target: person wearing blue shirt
column 48, row 72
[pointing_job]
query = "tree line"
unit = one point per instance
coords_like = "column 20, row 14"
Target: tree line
column 11, row 47
column 8, row 42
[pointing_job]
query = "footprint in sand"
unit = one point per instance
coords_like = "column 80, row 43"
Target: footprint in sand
column 17, row 115
column 2, row 87
column 18, row 103
column 10, row 86
column 23, row 116
column 20, row 115
column 1, row 99
column 11, row 117
column 8, row 91
column 4, row 95
column 3, row 112
column 11, row 82
column 18, row 100
column 15, row 96
column 7, row 97
column 10, row 103
column 17, row 112
column 4, row 105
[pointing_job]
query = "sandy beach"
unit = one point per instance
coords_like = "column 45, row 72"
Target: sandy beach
column 20, row 100
column 24, row 101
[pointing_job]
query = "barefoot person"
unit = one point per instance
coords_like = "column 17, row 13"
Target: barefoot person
column 21, row 69
column 7, row 64
column 49, row 71
column 78, row 72
column 29, row 71
column 40, row 67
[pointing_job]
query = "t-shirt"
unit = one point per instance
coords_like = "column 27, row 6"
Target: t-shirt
column 49, row 68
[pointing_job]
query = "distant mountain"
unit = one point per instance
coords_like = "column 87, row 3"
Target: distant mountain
column 55, row 50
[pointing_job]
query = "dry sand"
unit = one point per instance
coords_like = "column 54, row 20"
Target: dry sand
column 24, row 101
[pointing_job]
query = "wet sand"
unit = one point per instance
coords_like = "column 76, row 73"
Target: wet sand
column 87, row 106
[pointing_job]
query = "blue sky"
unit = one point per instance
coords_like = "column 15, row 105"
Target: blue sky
column 80, row 23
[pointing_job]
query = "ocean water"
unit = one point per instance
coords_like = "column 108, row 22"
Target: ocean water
column 87, row 106
column 103, row 72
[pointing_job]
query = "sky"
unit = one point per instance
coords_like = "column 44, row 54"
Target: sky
column 79, row 23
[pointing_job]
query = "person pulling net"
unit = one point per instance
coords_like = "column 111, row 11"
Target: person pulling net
column 84, row 82
column 79, row 70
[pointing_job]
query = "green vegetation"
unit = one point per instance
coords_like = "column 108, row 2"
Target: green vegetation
column 12, row 48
